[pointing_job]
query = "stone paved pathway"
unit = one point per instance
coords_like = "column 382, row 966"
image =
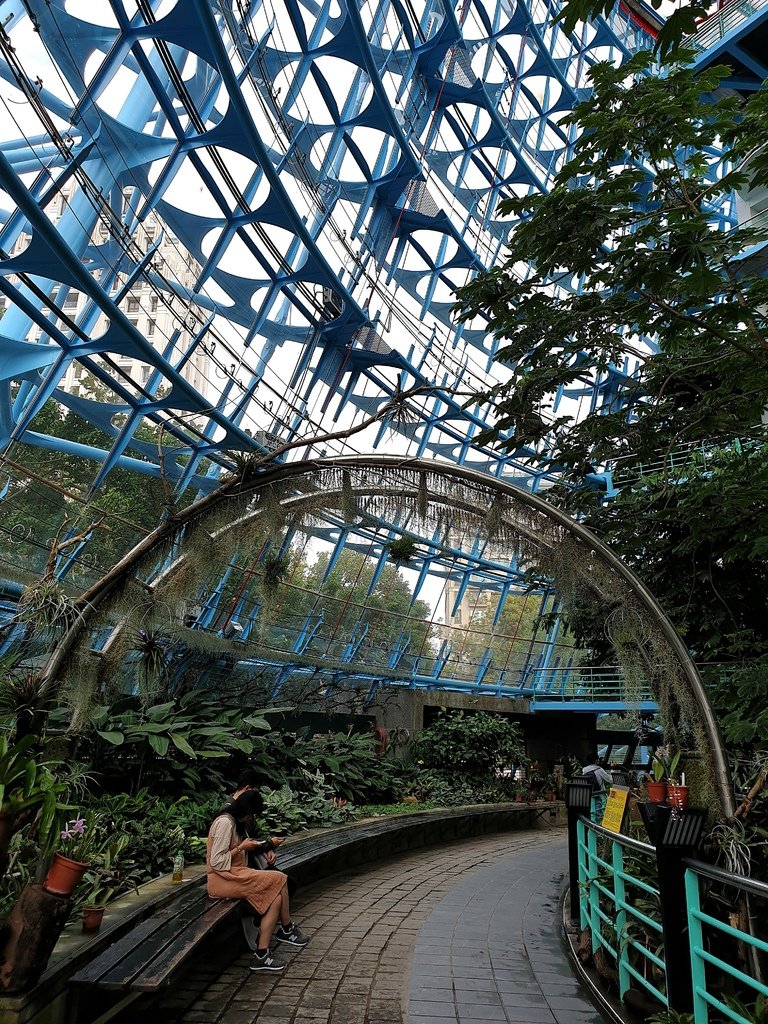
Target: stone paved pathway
column 388, row 933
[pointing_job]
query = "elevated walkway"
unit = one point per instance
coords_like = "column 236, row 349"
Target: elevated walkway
column 737, row 34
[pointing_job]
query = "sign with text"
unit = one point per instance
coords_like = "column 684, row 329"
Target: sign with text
column 615, row 808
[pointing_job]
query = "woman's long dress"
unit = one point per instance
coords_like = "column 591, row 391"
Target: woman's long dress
column 228, row 876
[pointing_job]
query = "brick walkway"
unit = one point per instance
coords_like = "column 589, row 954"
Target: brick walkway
column 386, row 934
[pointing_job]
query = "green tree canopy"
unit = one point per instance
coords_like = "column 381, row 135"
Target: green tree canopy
column 633, row 286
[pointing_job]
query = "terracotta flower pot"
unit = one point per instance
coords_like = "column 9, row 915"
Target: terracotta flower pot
column 63, row 875
column 92, row 919
column 657, row 791
column 677, row 796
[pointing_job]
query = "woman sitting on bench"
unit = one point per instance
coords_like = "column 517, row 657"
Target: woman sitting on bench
column 266, row 891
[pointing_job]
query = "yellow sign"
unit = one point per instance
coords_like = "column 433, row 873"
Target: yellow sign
column 615, row 808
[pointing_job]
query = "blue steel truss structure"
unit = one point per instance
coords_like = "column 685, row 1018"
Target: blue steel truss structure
column 233, row 228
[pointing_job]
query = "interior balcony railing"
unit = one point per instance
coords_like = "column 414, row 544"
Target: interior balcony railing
column 717, row 26
column 677, row 461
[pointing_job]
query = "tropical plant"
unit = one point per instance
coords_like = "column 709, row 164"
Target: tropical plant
column 28, row 784
column 274, row 568
column 165, row 745
column 152, row 650
column 81, row 838
column 25, row 699
column 109, row 876
column 442, row 789
column 287, row 810
column 664, row 764
column 476, row 743
column 348, row 762
column 401, row 550
column 156, row 828
column 752, row 1013
column 671, row 1017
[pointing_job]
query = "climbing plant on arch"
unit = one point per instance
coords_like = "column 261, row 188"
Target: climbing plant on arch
column 426, row 501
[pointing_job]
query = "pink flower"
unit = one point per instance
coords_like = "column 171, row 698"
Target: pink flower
column 66, row 834
column 78, row 826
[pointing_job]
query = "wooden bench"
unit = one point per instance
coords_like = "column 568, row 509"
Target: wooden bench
column 144, row 960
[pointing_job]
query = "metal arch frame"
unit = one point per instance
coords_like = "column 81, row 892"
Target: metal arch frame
column 388, row 200
column 285, row 474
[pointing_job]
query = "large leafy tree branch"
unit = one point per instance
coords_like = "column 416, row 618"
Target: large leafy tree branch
column 623, row 277
column 622, row 257
column 682, row 22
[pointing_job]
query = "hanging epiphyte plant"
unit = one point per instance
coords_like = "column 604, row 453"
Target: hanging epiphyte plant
column 494, row 517
column 274, row 568
column 153, row 650
column 348, row 503
column 422, row 497
column 273, row 512
column 401, row 550
column 46, row 606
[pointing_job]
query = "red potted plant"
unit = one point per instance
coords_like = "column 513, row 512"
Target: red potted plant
column 664, row 766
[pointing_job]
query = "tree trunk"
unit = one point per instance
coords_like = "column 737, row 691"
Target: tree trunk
column 31, row 931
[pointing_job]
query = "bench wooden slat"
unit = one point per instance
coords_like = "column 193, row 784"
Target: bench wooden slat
column 159, row 971
column 135, row 960
column 111, row 957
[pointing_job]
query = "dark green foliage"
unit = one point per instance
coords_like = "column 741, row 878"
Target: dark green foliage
column 679, row 22
column 274, row 570
column 382, row 810
column 477, row 743
column 630, row 216
column 309, row 803
column 184, row 745
column 753, row 1013
column 349, row 763
column 444, row 789
column 740, row 697
column 401, row 550
column 156, row 827
column 630, row 221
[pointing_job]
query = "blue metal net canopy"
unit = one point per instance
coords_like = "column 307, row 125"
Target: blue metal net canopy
column 231, row 232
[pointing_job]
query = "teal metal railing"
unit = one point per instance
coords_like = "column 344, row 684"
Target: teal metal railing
column 696, row 455
column 620, row 909
column 620, row 903
column 703, row 930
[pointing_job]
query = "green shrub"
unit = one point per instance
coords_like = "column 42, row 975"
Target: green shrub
column 478, row 743
column 348, row 763
column 314, row 805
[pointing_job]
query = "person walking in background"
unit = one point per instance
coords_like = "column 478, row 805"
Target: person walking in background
column 229, row 877
column 599, row 777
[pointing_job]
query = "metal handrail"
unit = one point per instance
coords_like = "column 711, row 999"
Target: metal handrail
column 716, row 874
column 718, row 25
column 618, row 837
column 603, row 877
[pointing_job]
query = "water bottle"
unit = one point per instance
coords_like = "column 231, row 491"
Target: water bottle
column 178, row 868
